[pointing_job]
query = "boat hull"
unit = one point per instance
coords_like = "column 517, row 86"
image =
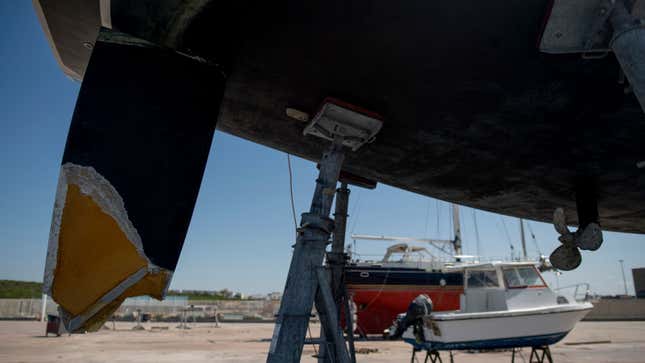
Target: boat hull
column 503, row 329
column 376, row 310
column 380, row 294
column 502, row 343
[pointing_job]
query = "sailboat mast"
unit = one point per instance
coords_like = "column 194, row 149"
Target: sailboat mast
column 523, row 239
column 456, row 244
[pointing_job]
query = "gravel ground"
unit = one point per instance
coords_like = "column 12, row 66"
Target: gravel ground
column 249, row 342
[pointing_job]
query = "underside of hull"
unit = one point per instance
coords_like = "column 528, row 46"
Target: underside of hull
column 502, row 343
column 473, row 114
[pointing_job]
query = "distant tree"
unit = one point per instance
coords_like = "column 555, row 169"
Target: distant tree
column 11, row 289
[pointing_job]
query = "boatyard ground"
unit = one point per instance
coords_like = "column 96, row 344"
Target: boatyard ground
column 24, row 341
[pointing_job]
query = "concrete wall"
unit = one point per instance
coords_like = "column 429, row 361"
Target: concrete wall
column 264, row 309
column 614, row 309
column 24, row 308
column 618, row 309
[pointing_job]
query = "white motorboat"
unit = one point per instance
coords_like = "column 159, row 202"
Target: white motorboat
column 504, row 305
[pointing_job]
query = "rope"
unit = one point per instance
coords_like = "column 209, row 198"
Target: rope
column 508, row 238
column 476, row 232
column 357, row 209
column 438, row 219
column 293, row 206
column 295, row 225
column 534, row 239
column 380, row 290
column 452, row 227
column 425, row 230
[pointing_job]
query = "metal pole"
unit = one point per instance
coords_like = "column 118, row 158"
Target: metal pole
column 457, row 227
column 476, row 233
column 329, row 319
column 557, row 279
column 302, row 280
column 622, row 270
column 336, row 258
column 340, row 219
column 628, row 44
column 523, row 239
column 43, row 311
column 337, row 255
column 349, row 322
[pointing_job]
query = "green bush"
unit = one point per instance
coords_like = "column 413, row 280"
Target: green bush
column 10, row 289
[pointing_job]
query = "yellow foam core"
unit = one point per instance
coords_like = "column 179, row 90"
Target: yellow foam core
column 94, row 256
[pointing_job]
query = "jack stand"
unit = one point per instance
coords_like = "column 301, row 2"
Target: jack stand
column 138, row 326
column 540, row 354
column 307, row 280
column 336, row 260
column 184, row 320
column 217, row 319
column 431, row 355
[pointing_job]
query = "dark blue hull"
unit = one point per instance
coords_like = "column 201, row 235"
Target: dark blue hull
column 515, row 342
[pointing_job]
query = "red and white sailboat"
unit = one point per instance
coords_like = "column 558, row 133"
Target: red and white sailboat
column 380, row 290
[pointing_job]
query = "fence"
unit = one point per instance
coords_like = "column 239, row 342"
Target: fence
column 171, row 308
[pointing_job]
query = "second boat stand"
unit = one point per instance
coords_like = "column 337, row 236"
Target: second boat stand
column 539, row 354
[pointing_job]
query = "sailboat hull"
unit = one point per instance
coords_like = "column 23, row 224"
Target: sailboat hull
column 381, row 293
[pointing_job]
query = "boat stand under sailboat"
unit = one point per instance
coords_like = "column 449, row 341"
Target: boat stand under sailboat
column 540, row 354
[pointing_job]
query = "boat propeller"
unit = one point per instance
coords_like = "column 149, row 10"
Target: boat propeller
column 567, row 257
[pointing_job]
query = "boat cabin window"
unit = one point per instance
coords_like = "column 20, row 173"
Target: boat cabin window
column 522, row 276
column 481, row 278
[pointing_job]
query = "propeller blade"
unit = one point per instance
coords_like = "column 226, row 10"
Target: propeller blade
column 565, row 258
column 560, row 221
column 591, row 237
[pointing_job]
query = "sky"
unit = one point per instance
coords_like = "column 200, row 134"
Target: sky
column 242, row 229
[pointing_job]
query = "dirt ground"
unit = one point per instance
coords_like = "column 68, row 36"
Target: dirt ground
column 246, row 342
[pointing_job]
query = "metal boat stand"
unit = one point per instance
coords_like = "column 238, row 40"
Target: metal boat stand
column 539, row 354
column 308, row 280
column 335, row 263
column 432, row 356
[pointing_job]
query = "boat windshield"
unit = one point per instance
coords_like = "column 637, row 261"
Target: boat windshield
column 482, row 278
column 522, row 276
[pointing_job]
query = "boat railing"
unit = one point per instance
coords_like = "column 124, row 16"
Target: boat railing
column 450, row 260
column 581, row 291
